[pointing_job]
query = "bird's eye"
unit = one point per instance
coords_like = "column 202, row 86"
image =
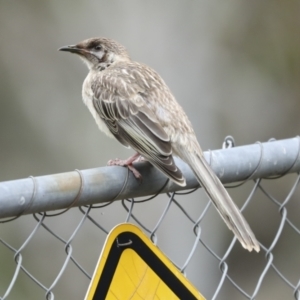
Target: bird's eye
column 98, row 48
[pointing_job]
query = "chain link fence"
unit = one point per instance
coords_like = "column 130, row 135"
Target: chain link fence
column 45, row 254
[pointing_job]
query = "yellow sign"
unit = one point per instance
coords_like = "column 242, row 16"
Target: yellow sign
column 132, row 267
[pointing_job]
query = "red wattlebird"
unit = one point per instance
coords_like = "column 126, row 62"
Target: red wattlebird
column 132, row 103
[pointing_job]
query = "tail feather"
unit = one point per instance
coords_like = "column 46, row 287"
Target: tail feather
column 222, row 201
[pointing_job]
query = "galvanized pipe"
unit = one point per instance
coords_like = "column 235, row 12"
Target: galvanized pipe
column 77, row 188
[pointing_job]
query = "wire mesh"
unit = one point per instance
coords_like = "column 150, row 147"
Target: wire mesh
column 48, row 255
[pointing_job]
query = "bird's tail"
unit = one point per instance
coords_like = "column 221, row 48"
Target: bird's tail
column 221, row 199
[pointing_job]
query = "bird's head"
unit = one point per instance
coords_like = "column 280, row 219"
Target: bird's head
column 98, row 53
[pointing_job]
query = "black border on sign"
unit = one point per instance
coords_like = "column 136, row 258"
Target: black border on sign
column 137, row 244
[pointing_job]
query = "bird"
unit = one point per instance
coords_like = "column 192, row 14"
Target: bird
column 131, row 102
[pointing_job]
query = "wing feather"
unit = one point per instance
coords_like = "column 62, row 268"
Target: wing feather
column 135, row 125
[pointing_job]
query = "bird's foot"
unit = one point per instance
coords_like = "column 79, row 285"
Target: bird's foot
column 127, row 163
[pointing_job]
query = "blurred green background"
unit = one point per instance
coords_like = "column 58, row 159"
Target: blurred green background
column 233, row 65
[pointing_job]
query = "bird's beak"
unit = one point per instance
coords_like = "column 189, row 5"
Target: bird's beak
column 72, row 49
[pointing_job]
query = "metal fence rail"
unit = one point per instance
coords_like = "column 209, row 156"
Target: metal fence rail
column 100, row 187
column 36, row 194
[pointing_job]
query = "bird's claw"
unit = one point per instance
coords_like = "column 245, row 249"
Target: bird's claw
column 124, row 163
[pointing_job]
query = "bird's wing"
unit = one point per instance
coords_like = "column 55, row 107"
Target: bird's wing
column 129, row 119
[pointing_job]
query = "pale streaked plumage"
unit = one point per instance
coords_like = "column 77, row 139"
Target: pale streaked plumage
column 131, row 102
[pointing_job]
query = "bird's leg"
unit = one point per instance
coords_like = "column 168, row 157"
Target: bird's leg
column 141, row 159
column 127, row 163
